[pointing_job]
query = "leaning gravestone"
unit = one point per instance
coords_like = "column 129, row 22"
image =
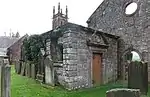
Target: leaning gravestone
column 123, row 92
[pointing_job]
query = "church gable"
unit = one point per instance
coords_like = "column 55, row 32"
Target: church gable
column 132, row 27
column 111, row 15
column 100, row 9
column 115, row 20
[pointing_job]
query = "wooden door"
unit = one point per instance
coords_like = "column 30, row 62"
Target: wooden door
column 97, row 71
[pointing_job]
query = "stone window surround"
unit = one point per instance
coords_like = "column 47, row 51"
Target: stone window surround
column 126, row 5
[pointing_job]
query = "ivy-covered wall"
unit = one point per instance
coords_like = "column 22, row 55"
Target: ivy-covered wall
column 31, row 47
column 33, row 44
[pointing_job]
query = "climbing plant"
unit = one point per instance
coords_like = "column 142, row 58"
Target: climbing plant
column 33, row 44
column 32, row 47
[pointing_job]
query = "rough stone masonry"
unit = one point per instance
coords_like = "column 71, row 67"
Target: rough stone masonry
column 111, row 34
column 133, row 29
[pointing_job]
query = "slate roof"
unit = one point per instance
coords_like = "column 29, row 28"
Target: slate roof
column 3, row 52
column 19, row 39
column 6, row 42
column 56, row 33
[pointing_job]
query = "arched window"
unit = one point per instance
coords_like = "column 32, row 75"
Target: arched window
column 132, row 56
column 135, row 56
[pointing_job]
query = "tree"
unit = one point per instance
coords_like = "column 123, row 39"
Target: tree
column 13, row 35
column 32, row 47
column 17, row 35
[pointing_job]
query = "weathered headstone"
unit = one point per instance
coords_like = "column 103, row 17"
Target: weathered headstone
column 49, row 72
column 123, row 92
column 48, row 62
column 26, row 69
column 5, row 78
column 138, row 76
column 17, row 67
column 29, row 70
column 23, row 67
column 33, row 74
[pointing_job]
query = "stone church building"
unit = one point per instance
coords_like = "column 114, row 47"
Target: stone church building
column 83, row 57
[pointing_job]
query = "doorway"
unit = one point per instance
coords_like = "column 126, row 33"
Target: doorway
column 97, row 69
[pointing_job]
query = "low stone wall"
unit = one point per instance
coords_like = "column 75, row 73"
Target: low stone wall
column 123, row 92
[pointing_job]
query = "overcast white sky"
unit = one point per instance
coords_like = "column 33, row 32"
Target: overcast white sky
column 35, row 16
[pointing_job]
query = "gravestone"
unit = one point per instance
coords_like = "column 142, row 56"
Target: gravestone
column 33, row 74
column 48, row 62
column 138, row 76
column 123, row 92
column 29, row 70
column 5, row 78
column 17, row 67
column 23, row 68
column 26, row 69
column 49, row 71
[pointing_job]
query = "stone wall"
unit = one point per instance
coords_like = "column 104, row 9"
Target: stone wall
column 111, row 18
column 14, row 51
column 84, row 58
column 75, row 73
column 110, row 62
column 133, row 29
column 77, row 59
column 147, row 31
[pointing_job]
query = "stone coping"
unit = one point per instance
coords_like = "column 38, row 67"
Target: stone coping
column 123, row 89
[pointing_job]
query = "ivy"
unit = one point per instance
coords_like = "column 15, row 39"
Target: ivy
column 33, row 44
column 32, row 47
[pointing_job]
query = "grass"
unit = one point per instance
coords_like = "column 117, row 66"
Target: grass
column 27, row 87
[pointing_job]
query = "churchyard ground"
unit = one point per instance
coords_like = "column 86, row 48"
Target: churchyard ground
column 26, row 87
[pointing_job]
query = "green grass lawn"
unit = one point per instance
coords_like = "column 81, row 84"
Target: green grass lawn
column 27, row 87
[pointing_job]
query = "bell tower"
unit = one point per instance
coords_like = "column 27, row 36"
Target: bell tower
column 59, row 18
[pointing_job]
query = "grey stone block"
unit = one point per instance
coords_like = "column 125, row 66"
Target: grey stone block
column 71, row 67
column 69, row 56
column 71, row 73
column 71, row 61
column 70, row 51
column 70, row 45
